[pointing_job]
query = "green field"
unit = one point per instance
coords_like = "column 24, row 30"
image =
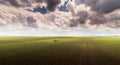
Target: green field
column 59, row 50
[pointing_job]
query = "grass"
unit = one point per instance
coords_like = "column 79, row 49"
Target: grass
column 65, row 51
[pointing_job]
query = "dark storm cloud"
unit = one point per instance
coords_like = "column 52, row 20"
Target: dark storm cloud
column 83, row 16
column 97, row 19
column 51, row 4
column 101, row 9
column 101, row 6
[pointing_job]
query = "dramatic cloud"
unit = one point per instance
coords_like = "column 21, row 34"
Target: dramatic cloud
column 51, row 4
column 101, row 6
column 82, row 15
column 17, row 3
column 97, row 19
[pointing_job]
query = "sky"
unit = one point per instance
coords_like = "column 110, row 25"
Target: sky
column 59, row 18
